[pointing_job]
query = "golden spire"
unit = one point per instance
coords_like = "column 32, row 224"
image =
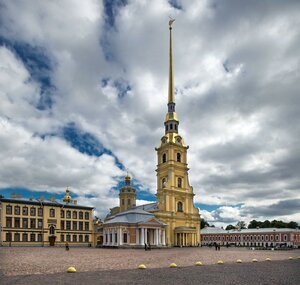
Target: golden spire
column 171, row 98
column 67, row 197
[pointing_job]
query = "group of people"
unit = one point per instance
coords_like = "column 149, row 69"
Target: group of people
column 217, row 246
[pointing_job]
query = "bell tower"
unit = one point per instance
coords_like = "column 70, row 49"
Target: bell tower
column 127, row 195
column 174, row 194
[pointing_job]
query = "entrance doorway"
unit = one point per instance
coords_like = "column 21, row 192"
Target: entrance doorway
column 52, row 241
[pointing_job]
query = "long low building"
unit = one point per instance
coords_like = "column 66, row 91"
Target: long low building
column 265, row 237
column 39, row 222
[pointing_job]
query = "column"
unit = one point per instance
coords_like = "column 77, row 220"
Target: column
column 120, row 237
column 163, row 237
column 142, row 236
column 104, row 237
column 156, row 236
column 137, row 236
column 145, row 236
column 159, row 236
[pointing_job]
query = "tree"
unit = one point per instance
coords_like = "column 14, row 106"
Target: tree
column 204, row 224
column 254, row 224
column 292, row 225
column 230, row 227
column 1, row 196
column 240, row 225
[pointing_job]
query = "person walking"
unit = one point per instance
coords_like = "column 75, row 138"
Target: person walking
column 67, row 246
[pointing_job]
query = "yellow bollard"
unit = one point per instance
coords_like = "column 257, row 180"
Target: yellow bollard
column 198, row 263
column 254, row 260
column 268, row 259
column 173, row 265
column 220, row 262
column 142, row 266
column 239, row 261
column 71, row 270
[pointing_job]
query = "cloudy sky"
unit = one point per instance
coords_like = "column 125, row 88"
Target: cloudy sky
column 83, row 94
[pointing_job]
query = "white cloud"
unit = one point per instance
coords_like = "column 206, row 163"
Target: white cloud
column 236, row 72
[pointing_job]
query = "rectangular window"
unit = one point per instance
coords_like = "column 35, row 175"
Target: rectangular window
column 68, row 214
column 52, row 213
column 74, row 226
column 25, row 223
column 116, row 237
column 62, row 238
column 74, row 238
column 40, row 223
column 8, row 237
column 32, row 237
column 17, row 210
column 40, row 238
column 81, row 226
column 62, row 213
column 17, row 223
column 68, row 238
column 62, row 225
column 86, row 226
column 81, row 215
column 32, row 211
column 74, row 215
column 87, row 215
column 40, row 212
column 8, row 210
column 25, row 211
column 17, row 237
column 24, row 237
column 86, row 238
column 80, row 238
column 32, row 223
column 9, row 222
column 68, row 225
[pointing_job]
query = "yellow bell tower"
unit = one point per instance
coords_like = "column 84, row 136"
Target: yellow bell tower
column 127, row 195
column 175, row 197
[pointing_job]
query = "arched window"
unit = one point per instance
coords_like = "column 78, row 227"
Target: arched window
column 179, row 207
column 81, row 215
column 171, row 126
column 128, row 202
column 51, row 229
column 51, row 213
column 175, row 127
column 74, row 215
column 163, row 182
column 68, row 214
column 179, row 182
column 178, row 157
column 164, row 158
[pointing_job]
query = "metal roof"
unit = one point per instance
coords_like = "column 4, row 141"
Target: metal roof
column 132, row 216
column 44, row 202
column 213, row 230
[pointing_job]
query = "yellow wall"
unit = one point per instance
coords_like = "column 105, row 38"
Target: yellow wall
column 47, row 222
column 169, row 195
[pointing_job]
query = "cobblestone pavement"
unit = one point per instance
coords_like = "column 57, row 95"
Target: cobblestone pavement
column 285, row 272
column 36, row 260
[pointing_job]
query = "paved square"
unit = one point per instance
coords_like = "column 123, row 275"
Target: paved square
column 31, row 260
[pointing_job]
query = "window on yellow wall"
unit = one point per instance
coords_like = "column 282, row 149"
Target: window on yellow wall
column 164, row 158
column 179, row 207
column 178, row 157
column 74, row 215
column 123, row 202
column 163, row 182
column 179, row 182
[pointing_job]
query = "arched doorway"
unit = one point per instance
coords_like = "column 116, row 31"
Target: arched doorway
column 52, row 236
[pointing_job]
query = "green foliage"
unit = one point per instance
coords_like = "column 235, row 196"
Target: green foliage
column 273, row 224
column 230, row 227
column 1, row 196
column 240, row 225
column 204, row 224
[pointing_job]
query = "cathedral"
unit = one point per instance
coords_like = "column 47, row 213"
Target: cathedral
column 172, row 220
